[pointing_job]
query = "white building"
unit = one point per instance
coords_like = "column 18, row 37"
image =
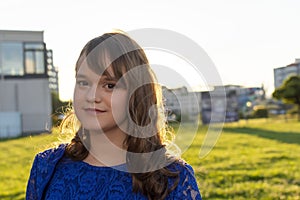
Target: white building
column 182, row 103
column 282, row 73
column 25, row 95
column 220, row 104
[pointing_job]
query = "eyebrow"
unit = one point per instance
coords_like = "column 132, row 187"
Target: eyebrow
column 105, row 77
column 80, row 76
column 109, row 78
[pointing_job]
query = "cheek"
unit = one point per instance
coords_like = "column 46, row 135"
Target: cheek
column 77, row 100
column 119, row 103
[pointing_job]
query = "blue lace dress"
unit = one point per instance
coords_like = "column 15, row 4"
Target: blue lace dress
column 55, row 176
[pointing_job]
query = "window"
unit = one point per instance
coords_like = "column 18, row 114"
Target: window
column 29, row 62
column 11, row 58
column 19, row 59
column 34, row 58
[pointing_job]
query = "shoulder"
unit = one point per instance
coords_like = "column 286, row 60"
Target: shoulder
column 49, row 157
column 187, row 185
column 41, row 171
column 182, row 167
column 186, row 172
column 50, row 153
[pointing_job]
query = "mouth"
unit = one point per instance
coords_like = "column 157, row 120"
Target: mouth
column 94, row 110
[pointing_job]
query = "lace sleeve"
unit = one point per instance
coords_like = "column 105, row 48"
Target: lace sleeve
column 187, row 187
column 31, row 192
column 41, row 171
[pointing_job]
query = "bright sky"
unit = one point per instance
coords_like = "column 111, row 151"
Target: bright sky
column 245, row 39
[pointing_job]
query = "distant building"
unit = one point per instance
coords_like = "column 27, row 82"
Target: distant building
column 229, row 102
column 250, row 96
column 220, row 105
column 282, row 73
column 182, row 104
column 27, row 76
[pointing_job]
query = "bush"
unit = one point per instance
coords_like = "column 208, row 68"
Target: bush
column 260, row 113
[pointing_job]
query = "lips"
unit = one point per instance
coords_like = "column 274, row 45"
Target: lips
column 94, row 110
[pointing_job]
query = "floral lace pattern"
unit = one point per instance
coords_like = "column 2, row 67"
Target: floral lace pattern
column 54, row 176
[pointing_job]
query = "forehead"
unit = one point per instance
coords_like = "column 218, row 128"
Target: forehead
column 86, row 71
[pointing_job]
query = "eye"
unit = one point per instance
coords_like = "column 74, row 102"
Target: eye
column 110, row 85
column 82, row 83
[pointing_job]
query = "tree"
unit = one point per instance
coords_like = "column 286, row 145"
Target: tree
column 289, row 92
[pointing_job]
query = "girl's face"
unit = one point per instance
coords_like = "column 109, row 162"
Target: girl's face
column 100, row 104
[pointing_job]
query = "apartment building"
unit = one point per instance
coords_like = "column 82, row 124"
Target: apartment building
column 181, row 103
column 282, row 73
column 25, row 83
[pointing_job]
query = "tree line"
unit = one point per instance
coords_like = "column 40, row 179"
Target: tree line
column 289, row 92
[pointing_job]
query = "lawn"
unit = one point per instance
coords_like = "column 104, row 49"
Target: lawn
column 254, row 159
column 16, row 157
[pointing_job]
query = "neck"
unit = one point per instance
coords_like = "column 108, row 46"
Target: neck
column 107, row 149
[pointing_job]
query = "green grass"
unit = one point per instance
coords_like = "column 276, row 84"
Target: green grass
column 258, row 159
column 16, row 158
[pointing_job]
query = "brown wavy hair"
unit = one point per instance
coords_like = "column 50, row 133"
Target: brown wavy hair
column 122, row 53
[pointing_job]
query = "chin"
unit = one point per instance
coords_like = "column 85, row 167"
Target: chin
column 91, row 126
column 94, row 129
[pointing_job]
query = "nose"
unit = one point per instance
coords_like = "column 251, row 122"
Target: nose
column 93, row 95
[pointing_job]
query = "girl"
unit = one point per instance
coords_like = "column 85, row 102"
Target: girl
column 119, row 148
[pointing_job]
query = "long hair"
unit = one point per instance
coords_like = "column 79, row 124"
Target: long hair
column 146, row 127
